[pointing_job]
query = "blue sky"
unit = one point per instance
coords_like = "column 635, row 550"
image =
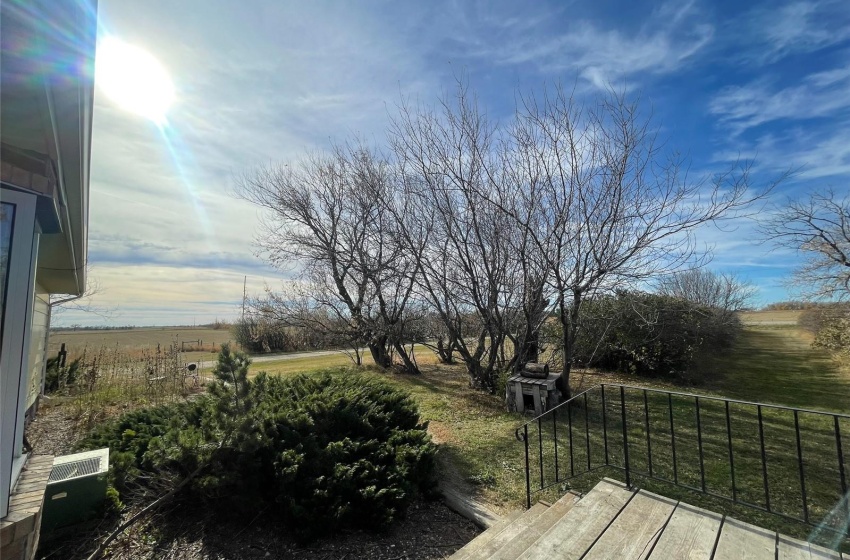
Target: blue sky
column 263, row 81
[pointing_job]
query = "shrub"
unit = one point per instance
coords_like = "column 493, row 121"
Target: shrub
column 56, row 377
column 129, row 437
column 650, row 335
column 324, row 452
column 830, row 323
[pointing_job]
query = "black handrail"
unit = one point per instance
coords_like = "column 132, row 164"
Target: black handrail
column 657, row 442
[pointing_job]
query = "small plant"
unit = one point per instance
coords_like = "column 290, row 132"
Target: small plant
column 58, row 377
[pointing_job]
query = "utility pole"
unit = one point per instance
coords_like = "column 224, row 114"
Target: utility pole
column 244, row 296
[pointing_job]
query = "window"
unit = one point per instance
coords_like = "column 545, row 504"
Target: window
column 18, row 249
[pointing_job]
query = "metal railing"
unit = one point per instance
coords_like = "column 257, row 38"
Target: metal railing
column 786, row 461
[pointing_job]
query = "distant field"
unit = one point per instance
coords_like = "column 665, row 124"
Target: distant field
column 138, row 339
column 766, row 318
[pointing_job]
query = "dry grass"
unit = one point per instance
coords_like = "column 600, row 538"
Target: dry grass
column 139, row 339
column 136, row 339
column 321, row 361
column 780, row 317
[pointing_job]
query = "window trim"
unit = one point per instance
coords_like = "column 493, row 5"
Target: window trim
column 14, row 356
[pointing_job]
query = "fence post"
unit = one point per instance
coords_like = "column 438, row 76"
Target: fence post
column 625, row 436
column 63, row 354
column 527, row 471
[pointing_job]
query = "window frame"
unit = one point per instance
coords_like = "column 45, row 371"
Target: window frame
column 14, row 347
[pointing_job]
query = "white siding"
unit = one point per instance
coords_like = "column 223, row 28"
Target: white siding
column 38, row 342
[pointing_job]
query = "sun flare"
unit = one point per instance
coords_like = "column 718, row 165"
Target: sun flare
column 134, row 79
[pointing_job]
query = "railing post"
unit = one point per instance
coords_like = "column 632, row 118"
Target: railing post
column 648, row 438
column 672, row 438
column 604, row 425
column 540, row 446
column 800, row 466
column 570, row 421
column 731, row 455
column 527, row 471
column 763, row 460
column 555, row 434
column 587, row 430
column 699, row 445
column 625, row 436
column 840, row 456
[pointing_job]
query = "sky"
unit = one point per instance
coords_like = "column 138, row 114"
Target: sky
column 265, row 81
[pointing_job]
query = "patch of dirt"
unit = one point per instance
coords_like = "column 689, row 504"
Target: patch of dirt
column 54, row 430
column 429, row 531
column 440, row 433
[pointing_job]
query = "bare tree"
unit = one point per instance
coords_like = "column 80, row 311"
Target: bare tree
column 818, row 227
column 83, row 303
column 466, row 269
column 603, row 202
column 723, row 292
column 327, row 215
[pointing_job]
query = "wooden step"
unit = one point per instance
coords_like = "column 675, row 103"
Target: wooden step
column 485, row 537
column 690, row 535
column 634, row 531
column 521, row 542
column 574, row 533
column 612, row 521
column 518, row 527
column 742, row 541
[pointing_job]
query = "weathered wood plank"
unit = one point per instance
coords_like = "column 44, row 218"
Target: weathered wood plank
column 571, row 536
column 742, row 541
column 519, row 526
column 521, row 542
column 485, row 537
column 690, row 534
column 793, row 549
column 635, row 530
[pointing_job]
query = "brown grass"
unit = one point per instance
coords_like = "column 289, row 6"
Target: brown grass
column 781, row 317
column 139, row 339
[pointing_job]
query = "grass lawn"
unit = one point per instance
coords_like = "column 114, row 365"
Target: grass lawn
column 778, row 365
column 771, row 364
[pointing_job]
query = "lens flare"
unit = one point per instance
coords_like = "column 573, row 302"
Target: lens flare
column 133, row 79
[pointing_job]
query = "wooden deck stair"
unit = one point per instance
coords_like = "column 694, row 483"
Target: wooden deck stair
column 612, row 521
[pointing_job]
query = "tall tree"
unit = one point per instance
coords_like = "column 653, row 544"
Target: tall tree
column 818, row 227
column 722, row 292
column 604, row 203
column 466, row 270
column 326, row 214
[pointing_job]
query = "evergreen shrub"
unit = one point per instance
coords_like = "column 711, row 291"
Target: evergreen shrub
column 322, row 452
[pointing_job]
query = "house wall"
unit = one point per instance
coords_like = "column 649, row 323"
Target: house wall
column 38, row 344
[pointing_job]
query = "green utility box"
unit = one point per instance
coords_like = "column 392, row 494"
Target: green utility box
column 76, row 490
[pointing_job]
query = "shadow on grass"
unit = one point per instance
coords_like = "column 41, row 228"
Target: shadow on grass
column 780, row 366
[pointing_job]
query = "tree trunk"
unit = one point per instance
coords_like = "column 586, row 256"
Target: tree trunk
column 379, row 351
column 445, row 352
column 569, row 323
column 409, row 365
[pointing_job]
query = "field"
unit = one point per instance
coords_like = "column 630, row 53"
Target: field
column 141, row 338
column 770, row 318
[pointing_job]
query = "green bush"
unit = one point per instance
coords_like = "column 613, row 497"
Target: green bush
column 650, row 335
column 56, row 376
column 129, row 438
column 323, row 452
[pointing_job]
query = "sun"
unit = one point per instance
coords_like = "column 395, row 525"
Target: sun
column 133, row 79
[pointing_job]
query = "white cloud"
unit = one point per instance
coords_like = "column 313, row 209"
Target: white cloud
column 145, row 294
column 776, row 31
column 819, row 94
column 665, row 41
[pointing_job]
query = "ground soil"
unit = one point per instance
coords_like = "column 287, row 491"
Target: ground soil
column 429, row 531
